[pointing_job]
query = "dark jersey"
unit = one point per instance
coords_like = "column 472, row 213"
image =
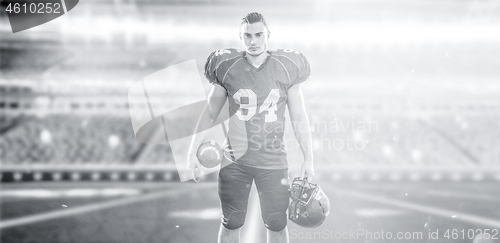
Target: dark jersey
column 257, row 98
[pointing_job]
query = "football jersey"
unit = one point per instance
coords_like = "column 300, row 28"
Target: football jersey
column 257, row 101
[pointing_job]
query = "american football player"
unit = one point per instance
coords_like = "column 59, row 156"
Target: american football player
column 259, row 84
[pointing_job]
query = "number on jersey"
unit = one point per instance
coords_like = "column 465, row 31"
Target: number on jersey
column 247, row 100
column 222, row 51
column 271, row 105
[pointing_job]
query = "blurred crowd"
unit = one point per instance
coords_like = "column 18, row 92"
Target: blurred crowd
column 67, row 139
column 380, row 140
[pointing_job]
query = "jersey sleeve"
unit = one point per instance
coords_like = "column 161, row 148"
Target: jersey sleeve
column 210, row 69
column 218, row 63
column 296, row 64
column 303, row 70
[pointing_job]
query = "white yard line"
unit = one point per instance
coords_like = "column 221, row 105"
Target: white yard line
column 95, row 207
column 474, row 196
column 469, row 218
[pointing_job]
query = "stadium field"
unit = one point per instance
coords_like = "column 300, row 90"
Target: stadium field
column 362, row 211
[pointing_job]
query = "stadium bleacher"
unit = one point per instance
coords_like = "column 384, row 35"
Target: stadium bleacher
column 67, row 139
column 376, row 140
column 479, row 135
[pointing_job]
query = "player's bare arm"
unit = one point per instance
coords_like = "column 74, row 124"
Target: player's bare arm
column 298, row 116
column 215, row 101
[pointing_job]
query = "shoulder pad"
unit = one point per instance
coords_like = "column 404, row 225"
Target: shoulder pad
column 225, row 54
column 294, row 55
column 216, row 58
column 295, row 62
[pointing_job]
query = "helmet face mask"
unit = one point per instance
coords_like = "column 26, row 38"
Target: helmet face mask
column 309, row 206
column 303, row 191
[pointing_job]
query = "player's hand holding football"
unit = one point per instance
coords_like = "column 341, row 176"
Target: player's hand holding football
column 193, row 164
column 307, row 170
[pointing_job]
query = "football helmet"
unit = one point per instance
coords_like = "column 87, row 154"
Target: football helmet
column 309, row 206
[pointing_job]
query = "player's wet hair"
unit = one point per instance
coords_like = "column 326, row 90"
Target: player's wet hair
column 255, row 17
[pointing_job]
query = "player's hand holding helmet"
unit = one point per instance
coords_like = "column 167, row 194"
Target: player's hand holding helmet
column 309, row 206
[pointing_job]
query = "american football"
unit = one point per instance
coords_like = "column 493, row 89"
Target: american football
column 209, row 154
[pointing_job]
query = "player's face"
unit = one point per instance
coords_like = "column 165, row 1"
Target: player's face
column 254, row 37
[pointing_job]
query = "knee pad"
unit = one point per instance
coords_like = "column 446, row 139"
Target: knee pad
column 234, row 220
column 275, row 222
